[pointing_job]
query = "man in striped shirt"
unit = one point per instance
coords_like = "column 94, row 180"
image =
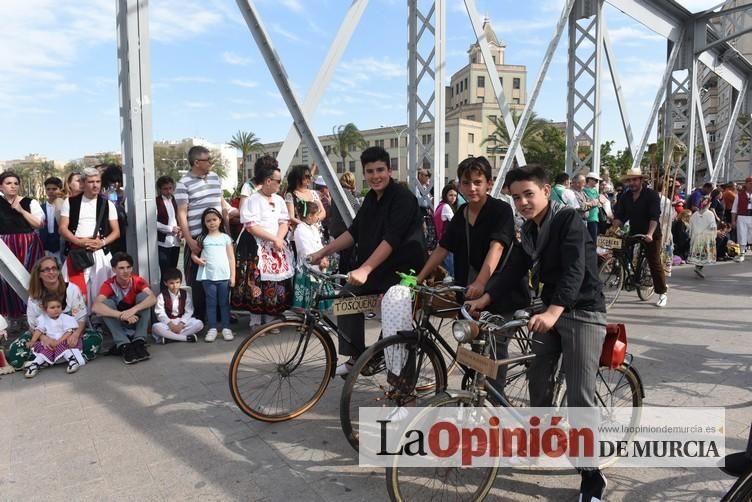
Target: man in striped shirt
column 198, row 190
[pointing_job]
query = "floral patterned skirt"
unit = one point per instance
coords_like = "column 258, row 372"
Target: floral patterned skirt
column 702, row 248
column 17, row 353
column 256, row 296
column 305, row 290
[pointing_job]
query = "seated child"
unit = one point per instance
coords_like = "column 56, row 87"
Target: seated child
column 5, row 368
column 174, row 310
column 50, row 339
column 307, row 241
column 721, row 242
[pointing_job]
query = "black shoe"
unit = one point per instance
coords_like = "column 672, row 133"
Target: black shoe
column 592, row 486
column 737, row 464
column 191, row 338
column 140, row 349
column 129, row 353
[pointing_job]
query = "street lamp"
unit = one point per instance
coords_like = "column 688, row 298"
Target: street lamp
column 399, row 135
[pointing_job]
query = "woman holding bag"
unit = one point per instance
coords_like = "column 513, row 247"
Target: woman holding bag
column 269, row 278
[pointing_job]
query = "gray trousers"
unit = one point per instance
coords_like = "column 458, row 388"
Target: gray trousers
column 578, row 336
column 123, row 333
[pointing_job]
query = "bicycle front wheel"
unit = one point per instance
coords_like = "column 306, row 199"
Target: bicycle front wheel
column 611, row 275
column 397, row 371
column 441, row 483
column 742, row 489
column 645, row 288
column 280, row 371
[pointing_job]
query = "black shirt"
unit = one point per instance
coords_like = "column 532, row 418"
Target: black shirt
column 495, row 222
column 639, row 212
column 396, row 219
column 569, row 265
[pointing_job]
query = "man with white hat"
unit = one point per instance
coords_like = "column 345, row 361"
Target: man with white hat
column 641, row 206
column 741, row 216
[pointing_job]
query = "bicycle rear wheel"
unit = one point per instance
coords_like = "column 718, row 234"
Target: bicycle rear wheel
column 384, row 376
column 617, row 388
column 645, row 288
column 611, row 275
column 441, row 483
column 280, row 371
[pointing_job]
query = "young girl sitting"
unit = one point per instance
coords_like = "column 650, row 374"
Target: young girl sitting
column 49, row 340
column 216, row 272
column 307, row 241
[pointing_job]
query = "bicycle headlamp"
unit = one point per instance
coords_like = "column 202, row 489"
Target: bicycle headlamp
column 465, row 331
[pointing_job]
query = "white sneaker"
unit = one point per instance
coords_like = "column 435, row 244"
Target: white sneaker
column 344, row 369
column 662, row 300
column 227, row 334
column 211, row 335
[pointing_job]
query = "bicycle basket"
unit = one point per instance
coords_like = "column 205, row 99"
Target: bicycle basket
column 435, row 304
column 614, row 346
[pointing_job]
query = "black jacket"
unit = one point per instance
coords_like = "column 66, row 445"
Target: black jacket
column 569, row 266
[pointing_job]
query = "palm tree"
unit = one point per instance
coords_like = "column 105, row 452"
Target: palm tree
column 247, row 143
column 347, row 137
column 531, row 137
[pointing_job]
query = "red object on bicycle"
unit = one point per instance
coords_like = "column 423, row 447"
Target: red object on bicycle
column 614, row 346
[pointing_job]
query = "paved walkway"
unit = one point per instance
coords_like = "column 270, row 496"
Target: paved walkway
column 167, row 429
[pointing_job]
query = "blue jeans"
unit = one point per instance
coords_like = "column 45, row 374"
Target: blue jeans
column 123, row 333
column 217, row 293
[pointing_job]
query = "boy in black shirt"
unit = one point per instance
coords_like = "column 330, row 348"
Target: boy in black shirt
column 481, row 231
column 563, row 259
column 388, row 231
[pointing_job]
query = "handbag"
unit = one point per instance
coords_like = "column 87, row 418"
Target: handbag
column 614, row 346
column 82, row 258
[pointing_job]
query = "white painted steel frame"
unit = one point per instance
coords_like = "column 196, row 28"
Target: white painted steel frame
column 326, row 71
column 516, row 138
column 493, row 73
column 301, row 121
column 584, row 100
column 431, row 107
column 134, row 84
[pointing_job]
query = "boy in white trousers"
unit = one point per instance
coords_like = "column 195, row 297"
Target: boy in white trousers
column 174, row 310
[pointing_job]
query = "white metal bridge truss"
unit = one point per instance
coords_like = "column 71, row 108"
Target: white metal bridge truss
column 691, row 42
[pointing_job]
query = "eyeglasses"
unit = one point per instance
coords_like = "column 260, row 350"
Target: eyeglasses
column 48, row 269
column 202, row 160
column 277, row 180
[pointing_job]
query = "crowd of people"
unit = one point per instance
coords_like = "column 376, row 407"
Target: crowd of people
column 538, row 239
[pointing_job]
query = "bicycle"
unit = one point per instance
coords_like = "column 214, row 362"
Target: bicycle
column 457, row 483
column 379, row 376
column 477, row 392
column 272, row 370
column 741, row 491
column 282, row 369
column 623, row 269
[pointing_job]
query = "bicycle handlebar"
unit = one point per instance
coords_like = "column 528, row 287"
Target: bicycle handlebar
column 323, row 275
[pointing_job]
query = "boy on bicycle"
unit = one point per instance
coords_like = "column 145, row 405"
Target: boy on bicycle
column 561, row 257
column 480, row 234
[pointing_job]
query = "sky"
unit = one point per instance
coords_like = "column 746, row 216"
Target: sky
column 59, row 93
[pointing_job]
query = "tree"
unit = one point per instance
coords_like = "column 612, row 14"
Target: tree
column 346, row 138
column 549, row 152
column 531, row 137
column 247, row 143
